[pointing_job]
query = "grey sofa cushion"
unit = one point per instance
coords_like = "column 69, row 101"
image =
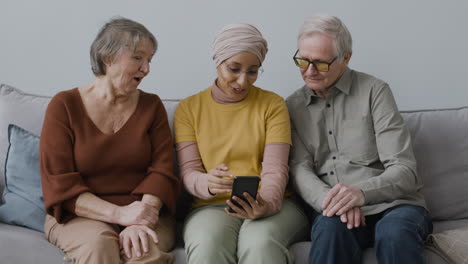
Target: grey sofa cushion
column 301, row 253
column 433, row 255
column 22, row 109
column 21, row 245
column 23, row 189
column 452, row 244
column 441, row 148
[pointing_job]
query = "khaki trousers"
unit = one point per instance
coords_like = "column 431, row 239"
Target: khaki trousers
column 94, row 242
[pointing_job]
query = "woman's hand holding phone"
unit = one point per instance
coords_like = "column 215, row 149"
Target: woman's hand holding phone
column 252, row 209
column 217, row 182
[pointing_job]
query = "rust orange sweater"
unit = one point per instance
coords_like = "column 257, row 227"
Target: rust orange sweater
column 77, row 157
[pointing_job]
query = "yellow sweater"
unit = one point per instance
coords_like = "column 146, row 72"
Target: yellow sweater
column 234, row 134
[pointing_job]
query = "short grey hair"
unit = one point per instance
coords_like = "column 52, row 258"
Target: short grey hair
column 114, row 36
column 333, row 27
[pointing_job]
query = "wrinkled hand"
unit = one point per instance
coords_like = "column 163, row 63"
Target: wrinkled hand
column 134, row 240
column 137, row 213
column 341, row 198
column 353, row 218
column 252, row 209
column 217, row 183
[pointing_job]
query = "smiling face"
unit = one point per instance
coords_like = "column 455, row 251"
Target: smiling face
column 126, row 71
column 320, row 47
column 237, row 74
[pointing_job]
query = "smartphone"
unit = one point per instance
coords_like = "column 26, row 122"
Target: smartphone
column 248, row 184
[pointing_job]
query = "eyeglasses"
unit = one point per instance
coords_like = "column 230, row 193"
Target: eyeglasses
column 304, row 63
column 251, row 74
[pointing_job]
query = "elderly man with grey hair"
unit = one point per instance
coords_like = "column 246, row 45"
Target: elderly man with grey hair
column 352, row 158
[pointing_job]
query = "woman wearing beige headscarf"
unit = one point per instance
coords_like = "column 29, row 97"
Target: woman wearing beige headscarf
column 235, row 129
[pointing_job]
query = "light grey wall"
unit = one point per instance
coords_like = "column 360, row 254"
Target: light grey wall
column 418, row 47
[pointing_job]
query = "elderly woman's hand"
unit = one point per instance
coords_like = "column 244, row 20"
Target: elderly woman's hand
column 134, row 240
column 137, row 213
column 217, row 182
column 252, row 209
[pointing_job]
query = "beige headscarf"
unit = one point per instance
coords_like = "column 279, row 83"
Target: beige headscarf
column 236, row 38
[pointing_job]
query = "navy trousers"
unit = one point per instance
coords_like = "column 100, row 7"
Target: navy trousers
column 397, row 234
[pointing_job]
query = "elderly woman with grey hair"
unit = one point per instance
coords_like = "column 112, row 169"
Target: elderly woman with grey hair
column 107, row 158
column 234, row 128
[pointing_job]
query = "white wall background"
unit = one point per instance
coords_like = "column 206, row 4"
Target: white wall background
column 419, row 47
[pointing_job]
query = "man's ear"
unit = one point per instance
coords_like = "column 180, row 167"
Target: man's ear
column 347, row 57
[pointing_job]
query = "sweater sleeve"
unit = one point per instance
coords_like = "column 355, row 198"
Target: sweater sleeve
column 275, row 157
column 194, row 177
column 274, row 175
column 160, row 180
column 61, row 182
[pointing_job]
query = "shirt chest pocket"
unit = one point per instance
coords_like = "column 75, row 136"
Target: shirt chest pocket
column 358, row 140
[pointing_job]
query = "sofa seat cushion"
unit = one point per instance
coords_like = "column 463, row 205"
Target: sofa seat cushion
column 301, row 254
column 22, row 245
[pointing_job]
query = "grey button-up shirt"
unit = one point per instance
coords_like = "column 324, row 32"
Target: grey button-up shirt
column 355, row 136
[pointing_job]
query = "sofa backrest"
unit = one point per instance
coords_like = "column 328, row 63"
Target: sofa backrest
column 438, row 136
column 440, row 144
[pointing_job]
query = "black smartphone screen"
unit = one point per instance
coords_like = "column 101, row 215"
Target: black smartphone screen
column 248, row 184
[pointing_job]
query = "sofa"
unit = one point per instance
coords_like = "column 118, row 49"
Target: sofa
column 440, row 145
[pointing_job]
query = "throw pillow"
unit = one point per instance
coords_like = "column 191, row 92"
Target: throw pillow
column 22, row 109
column 452, row 244
column 23, row 203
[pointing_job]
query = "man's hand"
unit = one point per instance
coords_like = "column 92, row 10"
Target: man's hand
column 353, row 218
column 217, row 182
column 134, row 240
column 342, row 198
column 252, row 209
